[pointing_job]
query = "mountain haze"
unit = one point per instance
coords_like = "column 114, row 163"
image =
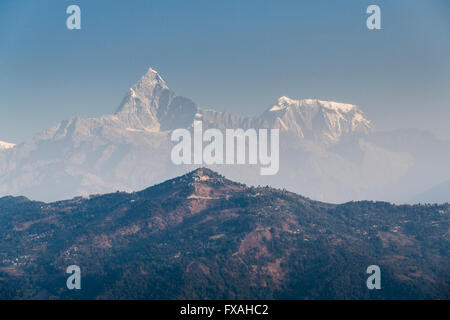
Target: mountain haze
column 328, row 150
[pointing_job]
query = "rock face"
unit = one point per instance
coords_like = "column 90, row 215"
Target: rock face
column 327, row 150
column 202, row 236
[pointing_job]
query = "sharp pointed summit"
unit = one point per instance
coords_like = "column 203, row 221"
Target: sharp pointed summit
column 139, row 108
column 151, row 79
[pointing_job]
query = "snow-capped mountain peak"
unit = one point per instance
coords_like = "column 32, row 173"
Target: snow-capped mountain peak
column 150, row 85
column 151, row 106
column 151, row 79
column 323, row 121
column 139, row 108
column 285, row 102
column 6, row 145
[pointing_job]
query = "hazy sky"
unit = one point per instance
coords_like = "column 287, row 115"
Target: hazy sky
column 238, row 56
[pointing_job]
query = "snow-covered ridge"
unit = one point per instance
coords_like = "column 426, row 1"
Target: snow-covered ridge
column 6, row 145
column 151, row 106
column 285, row 102
column 322, row 121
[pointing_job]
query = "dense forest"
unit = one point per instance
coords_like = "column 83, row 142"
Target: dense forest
column 201, row 236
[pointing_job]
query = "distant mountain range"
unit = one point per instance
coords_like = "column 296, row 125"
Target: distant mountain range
column 202, row 236
column 329, row 151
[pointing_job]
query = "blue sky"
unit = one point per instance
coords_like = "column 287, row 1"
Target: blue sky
column 238, row 56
